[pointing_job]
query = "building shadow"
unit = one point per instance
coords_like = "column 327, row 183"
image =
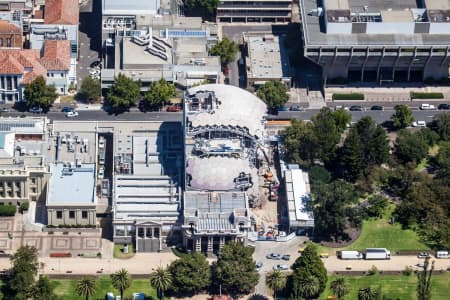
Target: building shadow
column 91, row 25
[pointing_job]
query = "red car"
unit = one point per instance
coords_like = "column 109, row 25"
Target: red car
column 173, row 108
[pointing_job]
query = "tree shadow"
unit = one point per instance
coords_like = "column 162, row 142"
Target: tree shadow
column 258, row 297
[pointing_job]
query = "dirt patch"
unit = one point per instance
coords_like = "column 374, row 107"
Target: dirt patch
column 353, row 235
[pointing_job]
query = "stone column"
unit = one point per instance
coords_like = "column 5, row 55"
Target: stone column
column 210, row 243
column 198, row 244
column 222, row 242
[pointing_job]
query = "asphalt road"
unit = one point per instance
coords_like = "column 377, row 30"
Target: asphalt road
column 100, row 115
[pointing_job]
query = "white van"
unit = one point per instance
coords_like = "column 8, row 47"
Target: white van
column 442, row 254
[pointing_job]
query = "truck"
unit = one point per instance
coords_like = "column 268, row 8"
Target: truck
column 377, row 253
column 442, row 254
column 350, row 254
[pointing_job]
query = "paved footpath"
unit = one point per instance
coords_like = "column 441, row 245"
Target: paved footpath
column 144, row 263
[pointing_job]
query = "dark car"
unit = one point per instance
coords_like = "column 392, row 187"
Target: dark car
column 96, row 64
column 444, row 106
column 356, row 108
column 283, row 108
column 423, row 255
column 66, row 109
column 286, row 257
column 275, row 256
column 376, row 107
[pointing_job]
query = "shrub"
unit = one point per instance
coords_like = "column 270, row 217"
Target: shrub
column 350, row 96
column 7, row 210
column 372, row 271
column 24, row 207
column 415, row 95
column 407, row 271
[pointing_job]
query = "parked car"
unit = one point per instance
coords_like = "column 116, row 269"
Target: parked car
column 283, row 108
column 281, row 267
column 426, row 106
column 94, row 72
column 377, row 107
column 338, row 107
column 419, row 124
column 101, row 173
column 423, row 255
column 66, row 109
column 356, row 108
column 72, row 114
column 96, row 64
column 286, row 257
column 259, row 265
column 36, row 110
column 4, row 109
column 296, row 108
column 273, row 256
column 173, row 108
column 444, row 106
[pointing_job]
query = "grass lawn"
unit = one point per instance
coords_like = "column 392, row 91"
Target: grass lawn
column 66, row 288
column 67, row 99
column 422, row 165
column 378, row 233
column 118, row 251
column 395, row 286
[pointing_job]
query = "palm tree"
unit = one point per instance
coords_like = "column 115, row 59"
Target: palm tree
column 121, row 280
column 366, row 294
column 161, row 279
column 339, row 287
column 276, row 281
column 85, row 287
column 309, row 287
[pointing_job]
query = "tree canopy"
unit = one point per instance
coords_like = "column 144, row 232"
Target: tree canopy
column 402, row 117
column 90, row 89
column 43, row 290
column 308, row 268
column 443, row 125
column 204, row 8
column 273, row 93
column 121, row 280
column 123, row 93
column 410, row 147
column 226, row 49
column 159, row 93
column 86, row 287
column 39, row 94
column 191, row 274
column 23, row 271
column 161, row 280
column 235, row 270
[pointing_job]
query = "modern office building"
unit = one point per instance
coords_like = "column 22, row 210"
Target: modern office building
column 377, row 41
column 224, row 131
column 254, row 11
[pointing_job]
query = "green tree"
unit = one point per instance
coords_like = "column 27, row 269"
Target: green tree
column 342, row 118
column 306, row 266
column 121, row 280
column 235, row 270
column 123, row 93
column 226, row 49
column 410, row 147
column 43, row 290
column 191, row 274
column 276, row 281
column 424, row 281
column 330, row 206
column 298, row 143
column 326, row 135
column 161, row 280
column 204, row 8
column 442, row 160
column 85, row 287
column 90, row 89
column 443, row 125
column 351, row 157
column 159, row 93
column 377, row 206
column 374, row 140
column 273, row 93
column 24, row 268
column 402, row 117
column 339, row 287
column 39, row 94
column 318, row 174
column 429, row 136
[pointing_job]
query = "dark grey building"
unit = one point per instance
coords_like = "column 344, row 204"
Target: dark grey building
column 254, row 11
column 379, row 41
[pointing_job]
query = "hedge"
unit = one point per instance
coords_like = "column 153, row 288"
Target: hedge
column 350, row 96
column 7, row 210
column 415, row 95
column 24, row 207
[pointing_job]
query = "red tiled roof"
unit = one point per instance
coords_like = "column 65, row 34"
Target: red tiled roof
column 10, row 65
column 56, row 55
column 26, row 62
column 61, row 12
column 6, row 27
